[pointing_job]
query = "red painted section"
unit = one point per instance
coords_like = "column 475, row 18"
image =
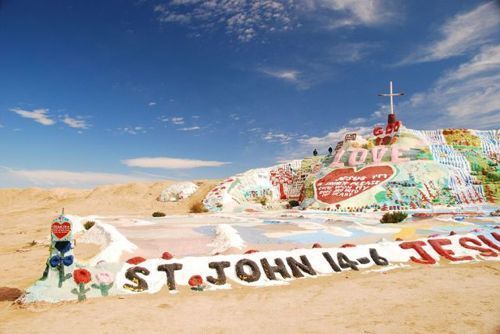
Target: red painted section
column 344, row 183
column 136, row 260
column 167, row 256
column 488, row 242
column 61, row 230
column 438, row 244
column 474, row 244
column 418, row 245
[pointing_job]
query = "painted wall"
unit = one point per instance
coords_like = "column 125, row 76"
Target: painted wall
column 417, row 169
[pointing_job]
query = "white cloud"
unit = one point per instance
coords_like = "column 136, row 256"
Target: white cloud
column 177, row 120
column 349, row 13
column 331, row 138
column 282, row 138
column 357, row 120
column 351, row 52
column 62, row 178
column 467, row 96
column 192, row 128
column 76, row 123
column 171, row 163
column 305, row 145
column 460, row 34
column 152, row 104
column 234, row 117
column 38, row 115
column 287, row 75
column 133, row 130
column 246, row 19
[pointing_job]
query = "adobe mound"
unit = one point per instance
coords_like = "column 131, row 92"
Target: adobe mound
column 410, row 170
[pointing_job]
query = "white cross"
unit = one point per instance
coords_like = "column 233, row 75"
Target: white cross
column 391, row 96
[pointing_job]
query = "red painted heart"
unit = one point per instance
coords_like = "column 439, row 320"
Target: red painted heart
column 61, row 230
column 344, row 183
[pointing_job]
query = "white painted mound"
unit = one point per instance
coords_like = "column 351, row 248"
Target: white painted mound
column 178, row 191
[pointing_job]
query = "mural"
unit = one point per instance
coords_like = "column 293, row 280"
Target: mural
column 411, row 170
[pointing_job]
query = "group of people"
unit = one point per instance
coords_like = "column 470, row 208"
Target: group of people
column 330, row 151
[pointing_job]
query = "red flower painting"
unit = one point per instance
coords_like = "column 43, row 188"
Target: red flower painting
column 195, row 281
column 81, row 276
column 136, row 260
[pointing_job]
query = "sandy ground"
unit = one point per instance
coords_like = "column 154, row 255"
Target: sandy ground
column 445, row 299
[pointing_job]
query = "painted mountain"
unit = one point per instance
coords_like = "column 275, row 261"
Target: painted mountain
column 395, row 168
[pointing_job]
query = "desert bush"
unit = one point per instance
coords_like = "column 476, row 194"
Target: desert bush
column 158, row 214
column 262, row 200
column 393, row 217
column 198, row 207
column 88, row 225
column 293, row 203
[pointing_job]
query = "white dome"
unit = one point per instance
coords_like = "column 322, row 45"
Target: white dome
column 178, row 191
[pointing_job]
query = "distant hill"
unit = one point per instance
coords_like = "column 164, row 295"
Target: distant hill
column 395, row 169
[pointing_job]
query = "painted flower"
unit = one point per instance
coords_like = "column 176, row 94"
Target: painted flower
column 55, row 261
column 195, row 281
column 167, row 256
column 81, row 276
column 136, row 260
column 62, row 246
column 68, row 260
column 104, row 277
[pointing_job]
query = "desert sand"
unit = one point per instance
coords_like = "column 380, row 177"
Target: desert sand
column 446, row 299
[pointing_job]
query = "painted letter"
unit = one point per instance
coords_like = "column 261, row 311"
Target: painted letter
column 271, row 270
column 438, row 244
column 140, row 283
column 331, row 262
column 221, row 275
column 242, row 275
column 396, row 152
column 464, row 242
column 379, row 260
column 426, row 258
column 336, row 160
column 378, row 153
column 298, row 268
column 489, row 242
column 170, row 269
column 353, row 158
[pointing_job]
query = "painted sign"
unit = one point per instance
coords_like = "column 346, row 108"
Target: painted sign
column 344, row 183
column 61, row 228
column 264, row 268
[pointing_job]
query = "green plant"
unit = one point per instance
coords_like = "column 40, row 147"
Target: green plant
column 198, row 207
column 262, row 200
column 158, row 214
column 88, row 225
column 393, row 217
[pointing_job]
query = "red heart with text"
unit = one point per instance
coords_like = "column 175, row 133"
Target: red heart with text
column 61, row 230
column 344, row 183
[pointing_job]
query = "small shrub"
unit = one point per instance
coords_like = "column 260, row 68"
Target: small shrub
column 293, row 203
column 88, row 225
column 393, row 217
column 158, row 214
column 198, row 208
column 262, row 200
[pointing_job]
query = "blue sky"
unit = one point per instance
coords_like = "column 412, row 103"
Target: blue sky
column 95, row 92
